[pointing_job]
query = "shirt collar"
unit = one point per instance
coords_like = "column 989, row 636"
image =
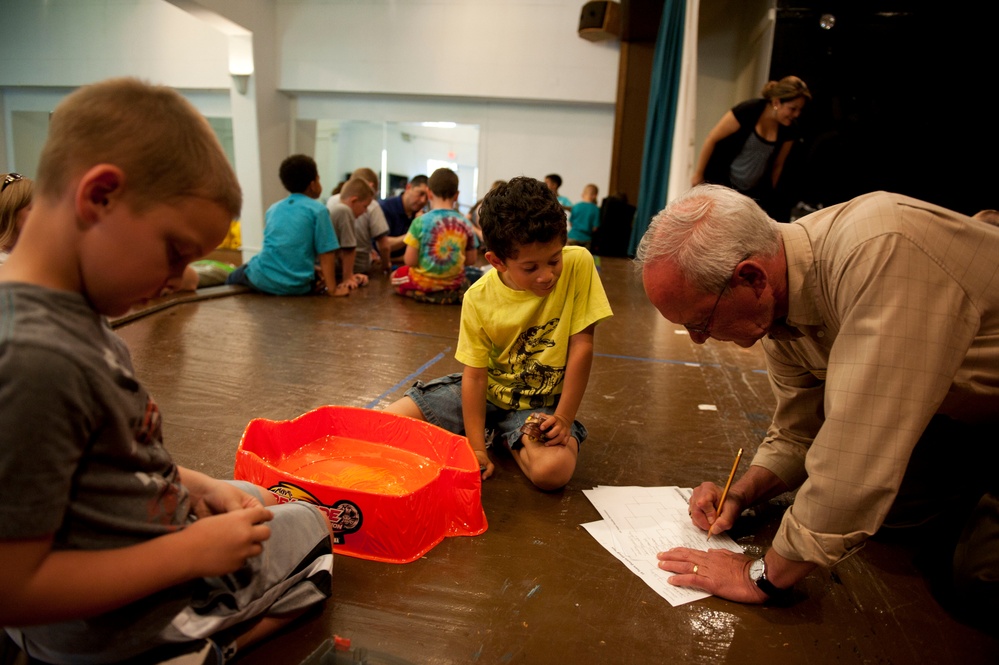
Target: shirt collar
column 801, row 303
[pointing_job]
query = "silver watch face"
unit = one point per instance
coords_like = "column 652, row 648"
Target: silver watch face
column 756, row 569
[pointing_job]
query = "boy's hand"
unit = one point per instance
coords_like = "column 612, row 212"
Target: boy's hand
column 224, row 542
column 485, row 465
column 222, row 498
column 557, row 429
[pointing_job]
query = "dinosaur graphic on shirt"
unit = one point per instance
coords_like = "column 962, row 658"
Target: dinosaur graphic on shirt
column 533, row 379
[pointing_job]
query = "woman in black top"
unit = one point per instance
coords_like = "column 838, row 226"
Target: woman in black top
column 747, row 149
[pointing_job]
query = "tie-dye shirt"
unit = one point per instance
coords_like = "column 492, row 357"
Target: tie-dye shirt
column 442, row 237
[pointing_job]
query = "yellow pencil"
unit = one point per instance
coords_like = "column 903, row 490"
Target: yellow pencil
column 721, row 501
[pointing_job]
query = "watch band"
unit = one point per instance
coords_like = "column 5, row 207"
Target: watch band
column 774, row 593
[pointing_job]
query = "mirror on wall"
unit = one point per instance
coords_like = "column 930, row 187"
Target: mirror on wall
column 398, row 151
column 30, row 129
column 223, row 130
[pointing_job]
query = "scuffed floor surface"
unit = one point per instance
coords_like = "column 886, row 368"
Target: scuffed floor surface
column 535, row 587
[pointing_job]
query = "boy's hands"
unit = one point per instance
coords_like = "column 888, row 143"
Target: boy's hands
column 557, row 430
column 225, row 541
column 39, row 585
column 487, row 467
column 219, row 497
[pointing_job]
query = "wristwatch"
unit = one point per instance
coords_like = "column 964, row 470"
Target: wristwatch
column 758, row 574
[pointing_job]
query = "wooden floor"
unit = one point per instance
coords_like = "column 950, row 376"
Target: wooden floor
column 535, row 587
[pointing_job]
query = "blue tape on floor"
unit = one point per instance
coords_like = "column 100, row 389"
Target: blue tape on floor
column 409, row 379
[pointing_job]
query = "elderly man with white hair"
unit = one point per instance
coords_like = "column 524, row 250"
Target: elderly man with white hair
column 880, row 322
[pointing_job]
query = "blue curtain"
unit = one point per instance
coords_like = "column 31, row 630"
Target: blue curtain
column 663, row 93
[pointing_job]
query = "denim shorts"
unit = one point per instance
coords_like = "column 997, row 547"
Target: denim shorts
column 440, row 402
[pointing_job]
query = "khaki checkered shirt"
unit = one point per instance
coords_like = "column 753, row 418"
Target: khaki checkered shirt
column 893, row 317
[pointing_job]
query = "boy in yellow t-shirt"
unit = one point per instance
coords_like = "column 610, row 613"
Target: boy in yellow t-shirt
column 526, row 339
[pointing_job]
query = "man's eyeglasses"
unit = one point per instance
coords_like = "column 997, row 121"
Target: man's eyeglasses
column 705, row 329
column 9, row 178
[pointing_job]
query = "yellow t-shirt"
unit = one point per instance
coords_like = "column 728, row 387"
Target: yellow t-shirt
column 522, row 339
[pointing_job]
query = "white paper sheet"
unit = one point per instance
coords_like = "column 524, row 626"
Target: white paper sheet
column 640, row 522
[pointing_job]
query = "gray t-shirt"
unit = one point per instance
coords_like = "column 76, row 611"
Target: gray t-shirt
column 368, row 227
column 81, row 452
column 750, row 165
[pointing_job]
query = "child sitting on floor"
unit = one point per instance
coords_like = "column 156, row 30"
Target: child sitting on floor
column 297, row 233
column 585, row 218
column 354, row 198
column 109, row 551
column 439, row 246
column 526, row 339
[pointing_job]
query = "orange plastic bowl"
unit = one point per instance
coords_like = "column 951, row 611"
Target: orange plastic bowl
column 392, row 486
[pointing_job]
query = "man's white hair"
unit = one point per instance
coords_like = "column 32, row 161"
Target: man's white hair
column 706, row 232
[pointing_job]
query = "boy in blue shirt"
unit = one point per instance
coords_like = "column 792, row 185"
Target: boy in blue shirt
column 585, row 218
column 526, row 339
column 554, row 182
column 297, row 232
column 108, row 549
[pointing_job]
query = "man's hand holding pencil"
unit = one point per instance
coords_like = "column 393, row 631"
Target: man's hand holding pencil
column 715, row 509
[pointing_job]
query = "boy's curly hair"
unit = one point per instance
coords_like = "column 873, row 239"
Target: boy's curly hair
column 520, row 212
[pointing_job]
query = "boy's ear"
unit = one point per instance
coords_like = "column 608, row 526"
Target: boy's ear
column 495, row 261
column 99, row 188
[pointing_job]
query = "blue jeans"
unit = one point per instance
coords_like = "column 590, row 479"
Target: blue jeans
column 440, row 402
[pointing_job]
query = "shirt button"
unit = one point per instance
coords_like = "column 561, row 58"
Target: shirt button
column 821, row 333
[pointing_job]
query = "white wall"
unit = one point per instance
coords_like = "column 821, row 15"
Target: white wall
column 542, row 96
column 68, row 43
column 511, row 49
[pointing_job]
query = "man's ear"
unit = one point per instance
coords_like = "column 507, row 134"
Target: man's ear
column 751, row 274
column 99, row 189
column 495, row 261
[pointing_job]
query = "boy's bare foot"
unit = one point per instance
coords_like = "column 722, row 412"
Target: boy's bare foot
column 360, row 280
column 342, row 289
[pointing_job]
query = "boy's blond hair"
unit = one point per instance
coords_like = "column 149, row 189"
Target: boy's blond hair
column 356, row 187
column 366, row 174
column 165, row 147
